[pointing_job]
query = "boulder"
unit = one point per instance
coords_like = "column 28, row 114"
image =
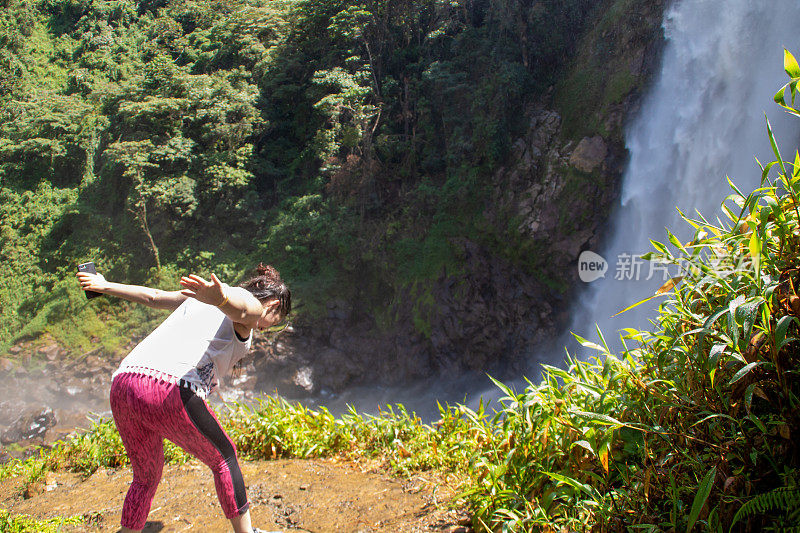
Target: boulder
column 32, row 423
column 303, row 379
column 51, row 352
column 589, row 154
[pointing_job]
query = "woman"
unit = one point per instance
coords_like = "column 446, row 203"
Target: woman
column 159, row 389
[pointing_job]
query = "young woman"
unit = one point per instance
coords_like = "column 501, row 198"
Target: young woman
column 160, row 388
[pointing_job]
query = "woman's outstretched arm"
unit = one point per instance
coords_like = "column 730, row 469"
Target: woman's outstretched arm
column 241, row 306
column 155, row 298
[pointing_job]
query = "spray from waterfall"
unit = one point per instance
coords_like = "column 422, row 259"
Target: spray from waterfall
column 702, row 120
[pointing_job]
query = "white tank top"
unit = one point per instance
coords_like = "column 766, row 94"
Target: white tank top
column 193, row 347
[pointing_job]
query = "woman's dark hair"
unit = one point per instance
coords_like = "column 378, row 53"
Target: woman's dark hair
column 268, row 285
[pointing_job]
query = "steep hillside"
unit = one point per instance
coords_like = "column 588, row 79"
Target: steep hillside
column 406, row 165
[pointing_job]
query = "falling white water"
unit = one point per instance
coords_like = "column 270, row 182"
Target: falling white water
column 702, row 120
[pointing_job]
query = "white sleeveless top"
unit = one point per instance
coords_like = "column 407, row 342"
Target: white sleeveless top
column 193, row 347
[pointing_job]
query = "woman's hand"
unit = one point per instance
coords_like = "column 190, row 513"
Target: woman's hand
column 208, row 292
column 92, row 282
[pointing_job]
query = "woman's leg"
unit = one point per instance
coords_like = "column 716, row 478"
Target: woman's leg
column 197, row 430
column 241, row 523
column 144, row 447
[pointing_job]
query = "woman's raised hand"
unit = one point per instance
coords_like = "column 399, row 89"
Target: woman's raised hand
column 208, row 292
column 92, row 282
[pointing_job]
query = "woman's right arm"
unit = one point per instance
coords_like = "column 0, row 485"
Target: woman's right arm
column 155, row 298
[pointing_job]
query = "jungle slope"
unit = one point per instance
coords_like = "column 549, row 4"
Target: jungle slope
column 398, row 162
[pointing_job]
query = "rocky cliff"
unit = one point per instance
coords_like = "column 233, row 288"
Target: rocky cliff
column 555, row 193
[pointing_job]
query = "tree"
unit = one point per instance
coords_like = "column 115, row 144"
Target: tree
column 134, row 158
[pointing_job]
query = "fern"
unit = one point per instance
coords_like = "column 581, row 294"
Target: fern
column 784, row 499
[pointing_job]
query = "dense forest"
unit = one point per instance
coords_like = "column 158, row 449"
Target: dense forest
column 351, row 143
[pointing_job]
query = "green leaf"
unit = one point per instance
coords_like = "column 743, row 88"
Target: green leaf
column 664, row 289
column 587, row 343
column 755, row 252
column 790, row 64
column 779, row 97
column 765, row 170
column 574, row 483
column 748, row 396
column 744, row 371
column 598, row 417
column 703, row 491
column 712, row 416
column 660, row 247
column 781, row 330
column 747, row 313
column 774, row 144
column 759, row 424
column 674, row 240
column 585, row 445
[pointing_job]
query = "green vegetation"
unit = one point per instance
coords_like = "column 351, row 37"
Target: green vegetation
column 26, row 524
column 606, row 69
column 329, row 138
column 691, row 427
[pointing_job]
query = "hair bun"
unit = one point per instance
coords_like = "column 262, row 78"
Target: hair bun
column 268, row 272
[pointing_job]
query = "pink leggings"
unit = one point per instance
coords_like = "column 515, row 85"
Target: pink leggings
column 146, row 411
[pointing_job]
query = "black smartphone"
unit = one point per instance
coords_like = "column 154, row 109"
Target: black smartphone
column 89, row 267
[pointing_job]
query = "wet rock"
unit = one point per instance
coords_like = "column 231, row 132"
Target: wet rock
column 303, row 379
column 246, row 382
column 33, row 423
column 589, row 154
column 73, row 386
column 336, row 369
column 4, row 456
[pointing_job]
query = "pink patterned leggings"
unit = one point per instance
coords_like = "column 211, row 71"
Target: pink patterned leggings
column 146, row 411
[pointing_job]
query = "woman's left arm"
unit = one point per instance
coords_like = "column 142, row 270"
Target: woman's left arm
column 241, row 306
column 155, row 298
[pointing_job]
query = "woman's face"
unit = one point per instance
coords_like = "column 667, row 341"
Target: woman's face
column 270, row 315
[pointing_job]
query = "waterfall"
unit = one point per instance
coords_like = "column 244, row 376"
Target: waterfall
column 702, row 120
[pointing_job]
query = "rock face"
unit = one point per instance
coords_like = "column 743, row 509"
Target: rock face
column 556, row 191
column 481, row 320
column 589, row 154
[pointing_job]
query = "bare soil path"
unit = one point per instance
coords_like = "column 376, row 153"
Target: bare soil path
column 286, row 495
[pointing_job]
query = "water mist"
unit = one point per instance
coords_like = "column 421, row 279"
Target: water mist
column 702, row 120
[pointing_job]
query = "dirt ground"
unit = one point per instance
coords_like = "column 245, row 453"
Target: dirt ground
column 285, row 495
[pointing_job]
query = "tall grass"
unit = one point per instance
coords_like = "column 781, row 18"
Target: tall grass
column 693, row 425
